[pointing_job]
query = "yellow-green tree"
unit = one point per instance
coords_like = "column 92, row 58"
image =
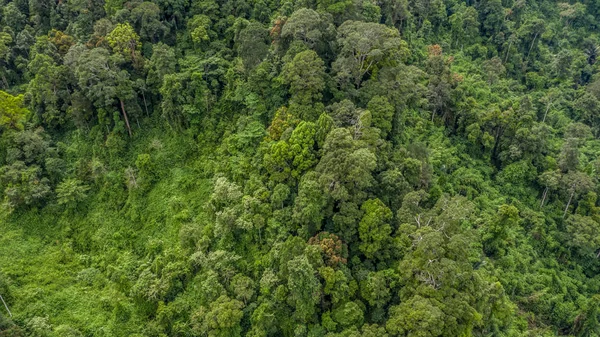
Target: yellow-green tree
column 124, row 40
column 12, row 112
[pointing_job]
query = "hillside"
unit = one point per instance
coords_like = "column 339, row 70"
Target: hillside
column 299, row 168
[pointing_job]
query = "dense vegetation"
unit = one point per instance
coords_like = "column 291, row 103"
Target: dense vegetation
column 299, row 168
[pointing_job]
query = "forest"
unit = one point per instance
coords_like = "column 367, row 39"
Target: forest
column 306, row 168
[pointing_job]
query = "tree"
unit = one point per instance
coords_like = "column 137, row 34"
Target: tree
column 146, row 19
column 584, row 235
column 500, row 230
column 571, row 13
column 575, row 184
column 586, row 322
column 337, row 286
column 345, row 172
column 48, row 91
column 173, row 11
column 365, row 47
column 309, row 204
column 30, row 168
column 264, row 320
column 383, row 114
column 5, row 56
column 162, row 62
column 344, row 113
column 417, row 317
column 304, row 288
column 13, row 113
column 491, row 16
column 100, row 80
column 333, row 250
column 345, row 168
column 124, row 40
column 375, row 288
column 221, row 319
column 464, row 25
column 550, row 180
column 374, row 229
column 261, row 11
column 278, row 161
column 530, row 31
column 23, row 185
column 340, row 9
column 280, row 195
column 225, row 194
column 39, row 326
column 575, row 137
column 62, row 41
column 199, row 28
column 185, row 95
column 442, row 83
column 349, row 314
column 393, row 185
column 373, row 330
column 305, row 74
column 305, row 25
column 71, row 191
column 13, row 17
column 252, row 44
column 243, row 287
column 302, row 148
column 494, row 70
column 436, row 246
column 112, row 6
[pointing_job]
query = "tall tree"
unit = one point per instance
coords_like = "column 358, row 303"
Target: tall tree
column 365, row 47
column 305, row 74
column 374, row 229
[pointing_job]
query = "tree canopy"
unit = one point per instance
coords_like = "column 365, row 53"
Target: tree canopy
column 328, row 168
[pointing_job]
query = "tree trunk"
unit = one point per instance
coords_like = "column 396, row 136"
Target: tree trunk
column 145, row 105
column 259, row 236
column 568, row 204
column 125, row 117
column 6, row 306
column 546, row 113
column 544, row 197
column 507, row 51
column 495, row 148
column 532, row 42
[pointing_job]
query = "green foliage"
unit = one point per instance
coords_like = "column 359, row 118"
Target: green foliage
column 303, row 287
column 112, row 6
column 383, row 114
column 299, row 168
column 221, row 319
column 31, row 165
column 304, row 25
column 416, row 317
column 124, row 40
column 364, row 48
column 199, row 28
column 252, row 44
column 373, row 229
column 71, row 191
column 305, row 75
column 12, row 112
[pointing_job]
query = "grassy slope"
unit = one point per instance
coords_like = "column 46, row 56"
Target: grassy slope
column 56, row 259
